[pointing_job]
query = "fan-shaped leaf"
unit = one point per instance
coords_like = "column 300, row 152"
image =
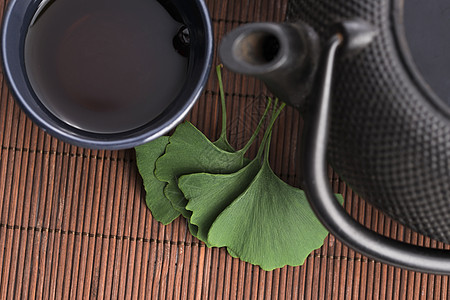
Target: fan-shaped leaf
column 146, row 156
column 210, row 194
column 271, row 224
column 189, row 151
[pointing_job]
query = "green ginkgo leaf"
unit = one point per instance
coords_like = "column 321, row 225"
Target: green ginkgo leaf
column 189, row 151
column 270, row 224
column 209, row 194
column 146, row 156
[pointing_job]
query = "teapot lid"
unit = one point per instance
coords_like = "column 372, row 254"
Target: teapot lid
column 422, row 28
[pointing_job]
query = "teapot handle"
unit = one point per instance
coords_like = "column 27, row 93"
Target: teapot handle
column 327, row 208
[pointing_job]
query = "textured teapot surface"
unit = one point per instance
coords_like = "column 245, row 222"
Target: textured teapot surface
column 390, row 138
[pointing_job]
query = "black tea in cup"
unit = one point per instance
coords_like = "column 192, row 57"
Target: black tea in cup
column 106, row 66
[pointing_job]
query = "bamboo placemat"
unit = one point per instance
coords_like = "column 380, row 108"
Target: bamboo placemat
column 73, row 222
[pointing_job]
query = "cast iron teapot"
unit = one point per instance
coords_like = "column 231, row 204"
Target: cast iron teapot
column 382, row 120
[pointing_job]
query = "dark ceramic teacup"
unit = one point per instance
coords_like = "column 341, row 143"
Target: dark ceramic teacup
column 16, row 23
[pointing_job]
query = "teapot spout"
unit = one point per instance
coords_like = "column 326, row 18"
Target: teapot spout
column 284, row 56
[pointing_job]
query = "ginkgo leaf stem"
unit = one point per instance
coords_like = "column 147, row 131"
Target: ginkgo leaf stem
column 267, row 134
column 258, row 128
column 222, row 100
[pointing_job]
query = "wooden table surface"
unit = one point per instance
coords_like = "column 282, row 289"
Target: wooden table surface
column 73, row 221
